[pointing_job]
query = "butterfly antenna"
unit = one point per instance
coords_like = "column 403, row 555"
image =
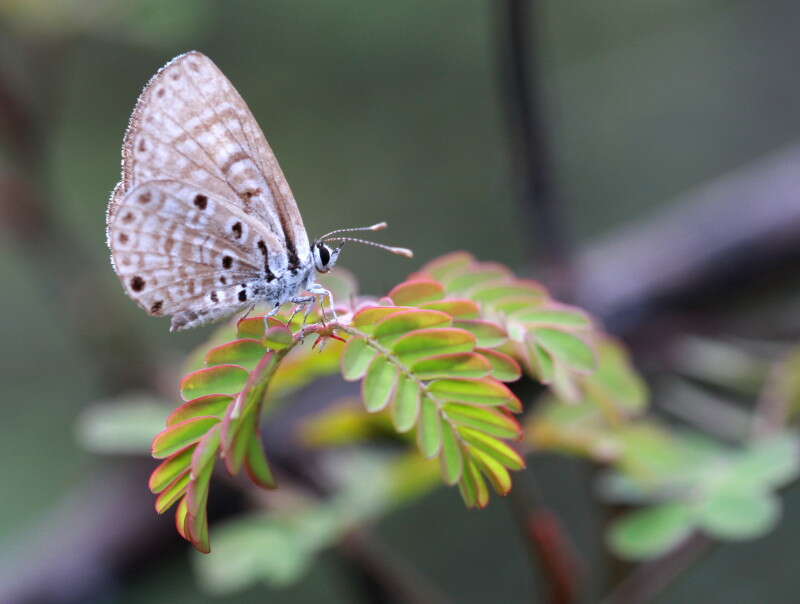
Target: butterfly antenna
column 375, row 227
column 400, row 251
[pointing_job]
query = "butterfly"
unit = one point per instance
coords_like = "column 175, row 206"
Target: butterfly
column 203, row 223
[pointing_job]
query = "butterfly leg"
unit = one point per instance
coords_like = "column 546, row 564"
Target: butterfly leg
column 271, row 313
column 318, row 290
column 304, row 302
column 249, row 310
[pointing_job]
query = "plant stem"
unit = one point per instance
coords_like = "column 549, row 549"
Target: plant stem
column 393, row 359
column 258, row 382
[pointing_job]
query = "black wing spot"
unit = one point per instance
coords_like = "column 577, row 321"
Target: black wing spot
column 214, row 297
column 227, row 262
column 243, row 296
column 145, row 197
column 223, row 280
column 156, row 307
column 201, row 201
column 237, row 229
column 123, row 238
column 127, row 218
column 137, row 284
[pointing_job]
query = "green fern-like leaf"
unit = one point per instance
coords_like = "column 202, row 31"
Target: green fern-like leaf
column 433, row 356
column 419, row 364
column 555, row 342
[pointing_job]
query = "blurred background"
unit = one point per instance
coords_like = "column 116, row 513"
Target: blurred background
column 648, row 121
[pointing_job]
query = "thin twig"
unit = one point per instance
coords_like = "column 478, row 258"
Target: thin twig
column 530, row 154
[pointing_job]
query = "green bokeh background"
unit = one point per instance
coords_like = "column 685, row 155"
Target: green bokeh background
column 377, row 111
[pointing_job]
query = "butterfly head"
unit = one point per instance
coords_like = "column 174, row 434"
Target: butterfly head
column 325, row 257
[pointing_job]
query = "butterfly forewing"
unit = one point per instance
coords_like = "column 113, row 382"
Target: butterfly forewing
column 203, row 207
column 190, row 124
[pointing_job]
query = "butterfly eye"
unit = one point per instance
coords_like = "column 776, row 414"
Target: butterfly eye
column 324, row 255
column 322, row 258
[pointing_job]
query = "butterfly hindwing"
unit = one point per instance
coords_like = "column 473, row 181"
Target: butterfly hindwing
column 179, row 249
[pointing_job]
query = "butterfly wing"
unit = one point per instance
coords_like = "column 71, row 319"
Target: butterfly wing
column 191, row 125
column 184, row 252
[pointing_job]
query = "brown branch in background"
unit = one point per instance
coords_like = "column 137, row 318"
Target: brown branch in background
column 711, row 246
column 651, row 578
column 385, row 577
column 543, row 225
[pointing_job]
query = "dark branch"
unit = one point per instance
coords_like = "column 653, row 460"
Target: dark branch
column 651, row 578
column 708, row 245
column 530, row 156
column 385, row 578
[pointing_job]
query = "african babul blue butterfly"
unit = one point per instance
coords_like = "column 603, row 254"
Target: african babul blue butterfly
column 203, row 223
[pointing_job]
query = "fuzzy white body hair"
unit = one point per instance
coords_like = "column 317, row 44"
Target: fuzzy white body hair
column 280, row 290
